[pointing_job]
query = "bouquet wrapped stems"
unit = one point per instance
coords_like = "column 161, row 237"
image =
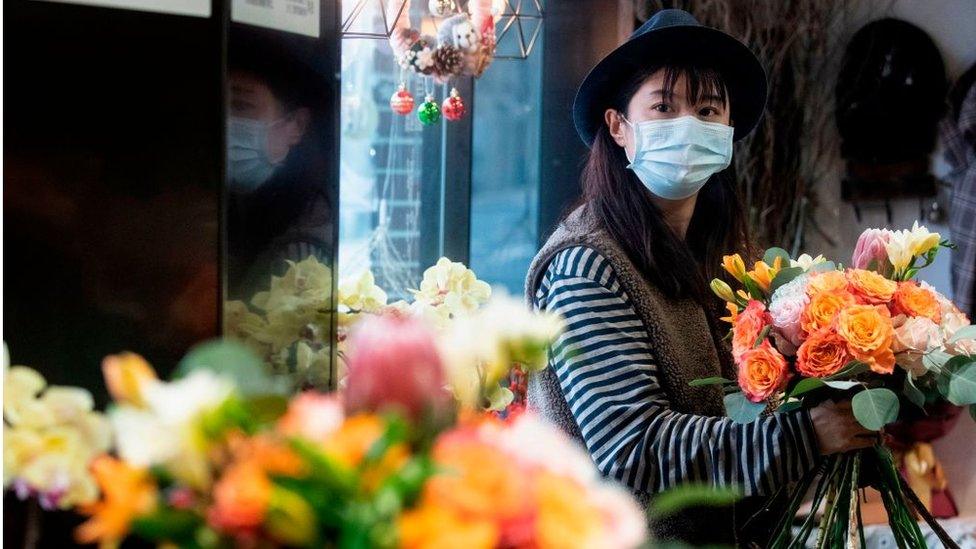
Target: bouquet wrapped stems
column 839, row 479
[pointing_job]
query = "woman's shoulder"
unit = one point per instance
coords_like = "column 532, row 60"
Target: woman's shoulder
column 582, row 261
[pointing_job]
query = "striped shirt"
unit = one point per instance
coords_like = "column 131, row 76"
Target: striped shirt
column 607, row 372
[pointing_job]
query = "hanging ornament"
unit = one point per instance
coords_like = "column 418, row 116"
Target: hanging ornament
column 402, row 101
column 453, row 106
column 428, row 112
column 441, row 8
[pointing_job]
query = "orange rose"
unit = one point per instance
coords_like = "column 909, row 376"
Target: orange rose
column 827, row 281
column 823, row 308
column 477, row 480
column 762, row 372
column 432, row 526
column 822, row 354
column 748, row 324
column 240, row 498
column 567, row 518
column 870, row 287
column 912, row 300
column 869, row 335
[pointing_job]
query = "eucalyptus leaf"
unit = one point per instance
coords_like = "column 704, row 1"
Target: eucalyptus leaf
column 934, row 360
column 709, row 381
column 962, row 385
column 742, row 410
column 875, row 408
column 790, row 406
column 913, row 393
column 806, row 385
column 842, row 385
column 966, row 332
column 784, row 276
column 236, row 361
column 972, row 411
column 771, row 254
column 823, row 267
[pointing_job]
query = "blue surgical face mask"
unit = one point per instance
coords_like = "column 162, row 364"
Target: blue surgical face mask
column 248, row 165
column 675, row 157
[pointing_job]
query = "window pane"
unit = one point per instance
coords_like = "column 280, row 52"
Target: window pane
column 505, row 178
column 389, row 172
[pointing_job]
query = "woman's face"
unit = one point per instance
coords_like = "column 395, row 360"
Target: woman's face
column 651, row 102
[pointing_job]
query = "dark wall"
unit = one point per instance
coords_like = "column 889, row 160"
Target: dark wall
column 578, row 33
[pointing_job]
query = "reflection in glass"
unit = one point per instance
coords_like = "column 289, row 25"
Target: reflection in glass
column 390, row 170
column 279, row 214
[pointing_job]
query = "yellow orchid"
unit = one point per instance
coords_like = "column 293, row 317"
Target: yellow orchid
column 361, row 294
column 453, row 286
column 735, row 266
column 763, row 275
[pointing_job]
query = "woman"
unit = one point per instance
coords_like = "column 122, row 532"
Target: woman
column 628, row 267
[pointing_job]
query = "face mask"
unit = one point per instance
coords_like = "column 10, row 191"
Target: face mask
column 674, row 158
column 248, row 164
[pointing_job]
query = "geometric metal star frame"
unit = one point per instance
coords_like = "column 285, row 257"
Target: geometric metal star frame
column 388, row 24
column 518, row 28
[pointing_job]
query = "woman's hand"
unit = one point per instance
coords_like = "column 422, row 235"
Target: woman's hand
column 837, row 430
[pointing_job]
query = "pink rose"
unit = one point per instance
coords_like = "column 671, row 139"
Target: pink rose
column 914, row 336
column 394, row 364
column 871, row 247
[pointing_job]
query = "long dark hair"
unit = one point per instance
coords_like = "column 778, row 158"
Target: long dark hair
column 626, row 211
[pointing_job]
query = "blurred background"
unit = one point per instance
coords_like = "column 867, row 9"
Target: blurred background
column 135, row 219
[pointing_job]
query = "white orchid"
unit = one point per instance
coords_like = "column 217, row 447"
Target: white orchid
column 361, row 294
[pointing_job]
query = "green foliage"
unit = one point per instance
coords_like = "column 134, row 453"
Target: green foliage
column 236, row 361
column 771, row 254
column 167, row 524
column 912, row 393
column 962, row 382
column 692, row 495
column 742, row 410
column 875, row 408
column 710, row 381
column 784, row 276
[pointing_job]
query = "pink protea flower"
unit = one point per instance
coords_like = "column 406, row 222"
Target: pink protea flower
column 871, row 246
column 394, row 364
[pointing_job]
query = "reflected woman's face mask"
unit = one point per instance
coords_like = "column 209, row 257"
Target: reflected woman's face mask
column 675, row 157
column 248, row 164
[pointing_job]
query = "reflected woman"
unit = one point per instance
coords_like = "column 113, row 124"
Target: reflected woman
column 628, row 270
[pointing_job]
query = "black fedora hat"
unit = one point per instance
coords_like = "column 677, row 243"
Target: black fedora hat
column 674, row 35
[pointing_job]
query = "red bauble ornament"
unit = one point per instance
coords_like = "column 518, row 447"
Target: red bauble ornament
column 453, row 107
column 402, row 101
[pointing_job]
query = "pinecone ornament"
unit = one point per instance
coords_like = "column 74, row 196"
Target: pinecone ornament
column 448, row 60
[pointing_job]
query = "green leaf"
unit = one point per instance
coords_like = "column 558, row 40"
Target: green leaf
column 966, row 332
column 754, row 290
column 823, row 267
column 875, row 408
column 742, row 410
column 784, row 276
column 806, row 385
column 771, row 254
column 972, row 411
column 692, row 495
column 842, row 385
column 935, row 360
column 789, row 406
column 763, row 334
column 912, row 393
column 962, row 385
column 850, row 369
column 236, row 361
column 290, row 518
column 167, row 524
column 701, row 382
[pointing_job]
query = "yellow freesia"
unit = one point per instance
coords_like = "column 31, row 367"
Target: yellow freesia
column 922, row 240
column 722, row 290
column 735, row 266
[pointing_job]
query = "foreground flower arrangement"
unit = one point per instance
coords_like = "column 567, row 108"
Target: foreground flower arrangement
column 219, row 456
column 807, row 330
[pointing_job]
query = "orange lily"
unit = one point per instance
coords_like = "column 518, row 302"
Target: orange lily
column 126, row 376
column 735, row 266
column 763, row 275
column 127, row 493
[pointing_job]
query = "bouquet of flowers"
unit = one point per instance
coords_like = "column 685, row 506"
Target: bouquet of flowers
column 808, row 329
column 220, row 456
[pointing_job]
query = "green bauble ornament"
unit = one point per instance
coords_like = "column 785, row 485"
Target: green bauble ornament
column 428, row 112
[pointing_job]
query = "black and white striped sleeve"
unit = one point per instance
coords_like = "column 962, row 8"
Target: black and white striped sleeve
column 605, row 365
